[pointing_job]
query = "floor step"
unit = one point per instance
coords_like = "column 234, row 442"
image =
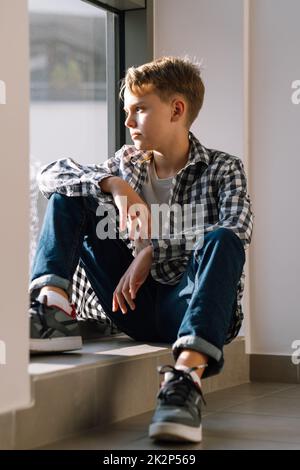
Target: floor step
column 106, row 382
column 252, row 416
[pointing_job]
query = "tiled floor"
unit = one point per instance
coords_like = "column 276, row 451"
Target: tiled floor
column 249, row 416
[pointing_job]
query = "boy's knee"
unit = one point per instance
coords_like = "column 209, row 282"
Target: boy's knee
column 227, row 239
column 57, row 197
column 223, row 235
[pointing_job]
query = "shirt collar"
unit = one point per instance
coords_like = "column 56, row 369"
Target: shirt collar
column 198, row 153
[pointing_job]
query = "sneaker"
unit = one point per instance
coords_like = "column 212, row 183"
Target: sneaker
column 52, row 329
column 178, row 413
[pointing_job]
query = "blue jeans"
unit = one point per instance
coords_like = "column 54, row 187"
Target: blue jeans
column 193, row 314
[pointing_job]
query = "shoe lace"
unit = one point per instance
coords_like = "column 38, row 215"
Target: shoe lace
column 177, row 390
column 39, row 309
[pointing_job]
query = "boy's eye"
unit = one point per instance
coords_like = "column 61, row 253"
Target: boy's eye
column 138, row 108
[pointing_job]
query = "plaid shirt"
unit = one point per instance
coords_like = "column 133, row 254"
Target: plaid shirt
column 214, row 179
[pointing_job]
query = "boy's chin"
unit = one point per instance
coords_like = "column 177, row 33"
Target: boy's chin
column 140, row 146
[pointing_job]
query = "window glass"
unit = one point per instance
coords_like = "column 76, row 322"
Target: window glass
column 68, row 112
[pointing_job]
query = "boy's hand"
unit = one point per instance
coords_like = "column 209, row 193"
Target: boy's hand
column 132, row 280
column 132, row 208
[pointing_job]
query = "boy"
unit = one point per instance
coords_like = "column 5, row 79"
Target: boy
column 162, row 290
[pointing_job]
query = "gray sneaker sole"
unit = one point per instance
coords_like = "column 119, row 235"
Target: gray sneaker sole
column 175, row 432
column 70, row 343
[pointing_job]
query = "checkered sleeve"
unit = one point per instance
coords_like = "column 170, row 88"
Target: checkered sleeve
column 234, row 204
column 171, row 248
column 66, row 176
column 169, row 251
column 168, row 258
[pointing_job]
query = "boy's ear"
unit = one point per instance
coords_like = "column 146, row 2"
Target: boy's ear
column 178, row 109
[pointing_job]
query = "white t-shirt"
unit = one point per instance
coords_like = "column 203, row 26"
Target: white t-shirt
column 155, row 190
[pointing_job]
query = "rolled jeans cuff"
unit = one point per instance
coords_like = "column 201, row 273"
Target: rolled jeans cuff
column 215, row 355
column 49, row 280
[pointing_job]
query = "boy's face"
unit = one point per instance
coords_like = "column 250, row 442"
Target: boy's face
column 150, row 119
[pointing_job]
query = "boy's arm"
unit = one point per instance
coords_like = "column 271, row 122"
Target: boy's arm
column 235, row 213
column 234, row 204
column 68, row 177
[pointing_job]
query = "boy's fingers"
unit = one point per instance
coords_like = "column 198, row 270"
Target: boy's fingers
column 132, row 291
column 121, row 302
column 128, row 297
column 114, row 304
column 117, row 303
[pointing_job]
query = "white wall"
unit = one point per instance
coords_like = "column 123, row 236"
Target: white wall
column 275, row 170
column 211, row 30
column 14, row 243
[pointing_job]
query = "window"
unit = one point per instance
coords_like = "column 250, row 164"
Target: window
column 77, row 57
column 68, row 109
column 68, row 81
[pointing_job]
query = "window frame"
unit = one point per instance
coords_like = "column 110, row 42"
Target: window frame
column 115, row 70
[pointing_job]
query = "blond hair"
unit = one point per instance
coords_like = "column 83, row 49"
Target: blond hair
column 167, row 76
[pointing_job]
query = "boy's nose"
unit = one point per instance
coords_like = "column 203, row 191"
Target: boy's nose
column 130, row 122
